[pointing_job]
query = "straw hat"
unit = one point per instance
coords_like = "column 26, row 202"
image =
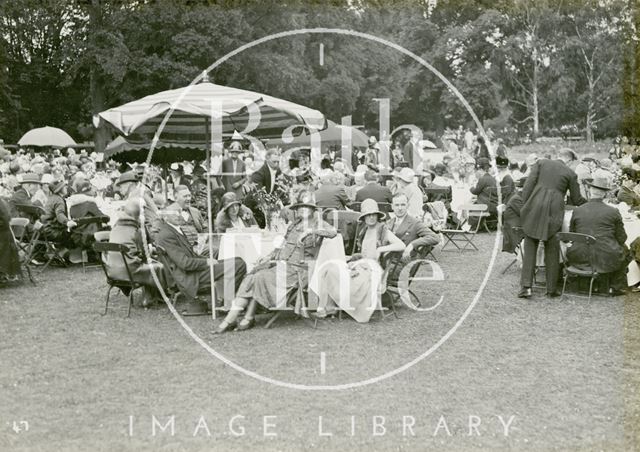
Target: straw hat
column 599, row 182
column 407, row 175
column 30, row 178
column 235, row 146
column 370, row 206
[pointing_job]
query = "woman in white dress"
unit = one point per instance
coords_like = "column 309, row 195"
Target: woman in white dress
column 362, row 297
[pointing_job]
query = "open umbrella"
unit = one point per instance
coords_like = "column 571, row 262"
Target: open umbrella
column 189, row 114
column 331, row 135
column 190, row 120
column 122, row 151
column 46, row 136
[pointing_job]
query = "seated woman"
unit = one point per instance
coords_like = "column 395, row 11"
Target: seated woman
column 233, row 215
column 301, row 243
column 374, row 240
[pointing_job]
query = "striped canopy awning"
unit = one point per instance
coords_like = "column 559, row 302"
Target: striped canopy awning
column 332, row 135
column 189, row 122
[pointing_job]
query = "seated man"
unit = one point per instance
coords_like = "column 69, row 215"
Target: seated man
column 189, row 270
column 610, row 255
column 373, row 189
column 413, row 232
column 22, row 196
column 193, row 223
column 126, row 231
column 330, row 195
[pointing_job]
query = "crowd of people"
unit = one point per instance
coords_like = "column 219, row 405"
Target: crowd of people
column 403, row 205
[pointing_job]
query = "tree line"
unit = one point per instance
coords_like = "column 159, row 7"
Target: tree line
column 525, row 66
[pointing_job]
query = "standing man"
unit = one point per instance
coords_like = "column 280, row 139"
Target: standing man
column 542, row 214
column 411, row 148
column 233, row 171
column 267, row 175
column 407, row 186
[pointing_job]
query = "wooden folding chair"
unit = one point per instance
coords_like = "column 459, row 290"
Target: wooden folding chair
column 465, row 234
column 39, row 238
column 25, row 249
column 586, row 271
column 128, row 286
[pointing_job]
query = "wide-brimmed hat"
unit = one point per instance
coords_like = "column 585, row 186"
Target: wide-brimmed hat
column 228, row 200
column 129, row 176
column 56, row 187
column 370, row 206
column 600, row 183
column 30, row 178
column 305, row 199
column 407, row 175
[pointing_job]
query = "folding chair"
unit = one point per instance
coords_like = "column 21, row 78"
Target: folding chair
column 574, row 271
column 465, row 234
column 127, row 287
column 39, row 237
column 346, row 222
column 19, row 229
column 85, row 221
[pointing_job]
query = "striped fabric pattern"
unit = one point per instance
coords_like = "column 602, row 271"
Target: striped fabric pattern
column 139, row 120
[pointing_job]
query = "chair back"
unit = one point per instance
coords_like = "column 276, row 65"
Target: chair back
column 478, row 211
column 103, row 248
column 346, row 222
column 444, row 194
column 19, row 228
column 573, row 237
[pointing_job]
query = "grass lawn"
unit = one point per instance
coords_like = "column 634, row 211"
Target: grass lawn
column 565, row 371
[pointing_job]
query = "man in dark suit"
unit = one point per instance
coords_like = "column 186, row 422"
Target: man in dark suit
column 373, row 190
column 413, row 232
column 609, row 254
column 28, row 187
column 233, row 171
column 542, row 214
column 267, row 175
column 331, row 195
column 178, row 177
column 190, row 271
column 411, row 148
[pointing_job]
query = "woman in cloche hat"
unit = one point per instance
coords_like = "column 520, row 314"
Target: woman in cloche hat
column 373, row 241
column 301, row 244
column 233, row 215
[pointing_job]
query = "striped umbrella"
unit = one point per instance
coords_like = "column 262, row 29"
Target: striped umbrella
column 189, row 123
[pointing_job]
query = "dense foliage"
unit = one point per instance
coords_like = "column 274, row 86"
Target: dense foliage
column 534, row 65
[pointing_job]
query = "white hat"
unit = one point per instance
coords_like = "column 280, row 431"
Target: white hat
column 407, row 175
